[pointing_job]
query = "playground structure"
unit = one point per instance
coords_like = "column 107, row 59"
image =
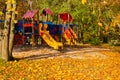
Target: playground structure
column 30, row 29
column 68, row 34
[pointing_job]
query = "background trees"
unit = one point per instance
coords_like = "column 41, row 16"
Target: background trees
column 94, row 17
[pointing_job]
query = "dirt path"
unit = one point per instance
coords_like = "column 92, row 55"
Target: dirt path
column 80, row 53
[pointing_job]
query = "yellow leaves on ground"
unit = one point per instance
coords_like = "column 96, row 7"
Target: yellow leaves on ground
column 64, row 69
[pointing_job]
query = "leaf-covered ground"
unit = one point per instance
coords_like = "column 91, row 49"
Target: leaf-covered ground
column 103, row 65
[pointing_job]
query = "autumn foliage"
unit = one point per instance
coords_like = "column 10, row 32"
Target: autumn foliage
column 63, row 68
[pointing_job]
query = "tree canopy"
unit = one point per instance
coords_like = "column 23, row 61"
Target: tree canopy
column 94, row 17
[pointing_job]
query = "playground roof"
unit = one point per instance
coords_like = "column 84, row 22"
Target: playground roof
column 47, row 11
column 30, row 14
column 64, row 16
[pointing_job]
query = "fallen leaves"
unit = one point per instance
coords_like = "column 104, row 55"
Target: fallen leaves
column 63, row 69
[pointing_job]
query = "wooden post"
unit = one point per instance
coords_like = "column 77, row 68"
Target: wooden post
column 64, row 25
column 46, row 17
column 23, row 32
column 51, row 18
column 33, row 36
column 69, row 28
column 68, row 21
column 38, row 16
column 42, row 17
column 58, row 19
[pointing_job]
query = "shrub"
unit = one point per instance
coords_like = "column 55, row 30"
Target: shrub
column 95, row 41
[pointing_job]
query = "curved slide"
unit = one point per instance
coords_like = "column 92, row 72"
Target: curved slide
column 67, row 37
column 50, row 41
column 70, row 37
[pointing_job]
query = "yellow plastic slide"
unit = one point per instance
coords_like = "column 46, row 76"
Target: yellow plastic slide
column 48, row 38
column 50, row 41
column 70, row 39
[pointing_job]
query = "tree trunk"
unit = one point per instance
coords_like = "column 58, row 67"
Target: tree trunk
column 0, row 42
column 5, row 46
column 0, row 48
column 5, row 40
column 11, row 36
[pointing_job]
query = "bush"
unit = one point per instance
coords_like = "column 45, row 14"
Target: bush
column 95, row 41
column 114, row 42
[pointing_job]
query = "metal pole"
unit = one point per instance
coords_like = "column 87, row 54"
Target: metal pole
column 68, row 21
